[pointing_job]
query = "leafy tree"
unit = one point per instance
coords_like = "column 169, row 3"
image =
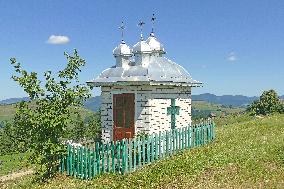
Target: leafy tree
column 268, row 103
column 93, row 130
column 78, row 129
column 7, row 145
column 46, row 120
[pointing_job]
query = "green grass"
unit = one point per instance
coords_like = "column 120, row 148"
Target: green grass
column 247, row 153
column 11, row 163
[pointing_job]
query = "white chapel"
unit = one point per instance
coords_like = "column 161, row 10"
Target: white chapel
column 144, row 91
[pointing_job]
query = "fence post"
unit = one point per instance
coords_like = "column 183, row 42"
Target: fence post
column 148, row 149
column 68, row 161
column 167, row 143
column 213, row 130
column 134, row 153
column 103, row 157
column 189, row 137
column 130, row 154
column 196, row 135
column 126, row 155
column 98, row 159
column 176, row 138
column 107, row 156
column 118, row 155
column 85, row 163
column 139, row 151
column 202, row 134
column 152, row 148
column 174, row 142
column 160, row 146
column 182, row 141
column 143, row 149
column 89, row 163
column 180, row 138
column 94, row 162
column 156, row 146
column 123, row 156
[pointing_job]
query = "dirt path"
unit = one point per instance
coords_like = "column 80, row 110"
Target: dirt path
column 13, row 176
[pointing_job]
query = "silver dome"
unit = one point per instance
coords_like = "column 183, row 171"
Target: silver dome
column 160, row 71
column 122, row 50
column 142, row 47
column 155, row 44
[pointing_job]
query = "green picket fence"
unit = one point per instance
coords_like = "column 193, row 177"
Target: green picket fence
column 130, row 154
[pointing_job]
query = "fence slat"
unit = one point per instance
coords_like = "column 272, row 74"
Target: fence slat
column 148, row 149
column 94, row 162
column 130, row 154
column 134, row 153
column 139, row 151
column 107, row 157
column 85, row 163
column 118, row 155
column 176, row 137
column 160, row 145
column 112, row 157
column 171, row 143
column 156, row 146
column 89, row 164
column 122, row 156
column 143, row 150
column 97, row 157
column 103, row 157
column 167, row 143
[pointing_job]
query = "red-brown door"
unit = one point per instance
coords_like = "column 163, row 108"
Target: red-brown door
column 123, row 115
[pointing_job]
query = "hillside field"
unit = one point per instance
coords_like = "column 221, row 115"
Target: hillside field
column 248, row 152
column 202, row 109
column 199, row 108
column 7, row 112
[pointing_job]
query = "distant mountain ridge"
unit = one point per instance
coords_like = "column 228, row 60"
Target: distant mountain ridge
column 14, row 100
column 227, row 100
column 94, row 103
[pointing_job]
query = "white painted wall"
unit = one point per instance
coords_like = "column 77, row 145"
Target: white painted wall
column 151, row 103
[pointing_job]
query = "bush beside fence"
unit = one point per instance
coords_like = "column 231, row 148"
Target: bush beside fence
column 131, row 154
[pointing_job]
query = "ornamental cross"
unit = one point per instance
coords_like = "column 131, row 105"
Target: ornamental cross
column 153, row 22
column 140, row 24
column 173, row 110
column 122, row 27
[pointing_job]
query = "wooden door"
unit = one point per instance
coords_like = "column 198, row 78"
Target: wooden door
column 123, row 116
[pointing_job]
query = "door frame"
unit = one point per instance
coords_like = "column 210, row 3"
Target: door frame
column 114, row 128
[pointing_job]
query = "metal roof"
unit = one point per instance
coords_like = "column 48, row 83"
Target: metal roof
column 160, row 71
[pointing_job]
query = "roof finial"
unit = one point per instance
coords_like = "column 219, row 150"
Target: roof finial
column 140, row 24
column 122, row 27
column 153, row 22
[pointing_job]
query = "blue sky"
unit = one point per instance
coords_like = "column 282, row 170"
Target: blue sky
column 234, row 47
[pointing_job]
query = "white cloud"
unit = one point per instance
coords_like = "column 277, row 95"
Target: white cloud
column 58, row 39
column 232, row 57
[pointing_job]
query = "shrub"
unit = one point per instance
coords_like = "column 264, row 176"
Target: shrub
column 268, row 103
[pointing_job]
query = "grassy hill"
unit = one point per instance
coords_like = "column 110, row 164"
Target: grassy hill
column 203, row 109
column 7, row 112
column 248, row 152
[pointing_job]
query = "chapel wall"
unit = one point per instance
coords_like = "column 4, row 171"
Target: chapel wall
column 151, row 103
column 161, row 100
